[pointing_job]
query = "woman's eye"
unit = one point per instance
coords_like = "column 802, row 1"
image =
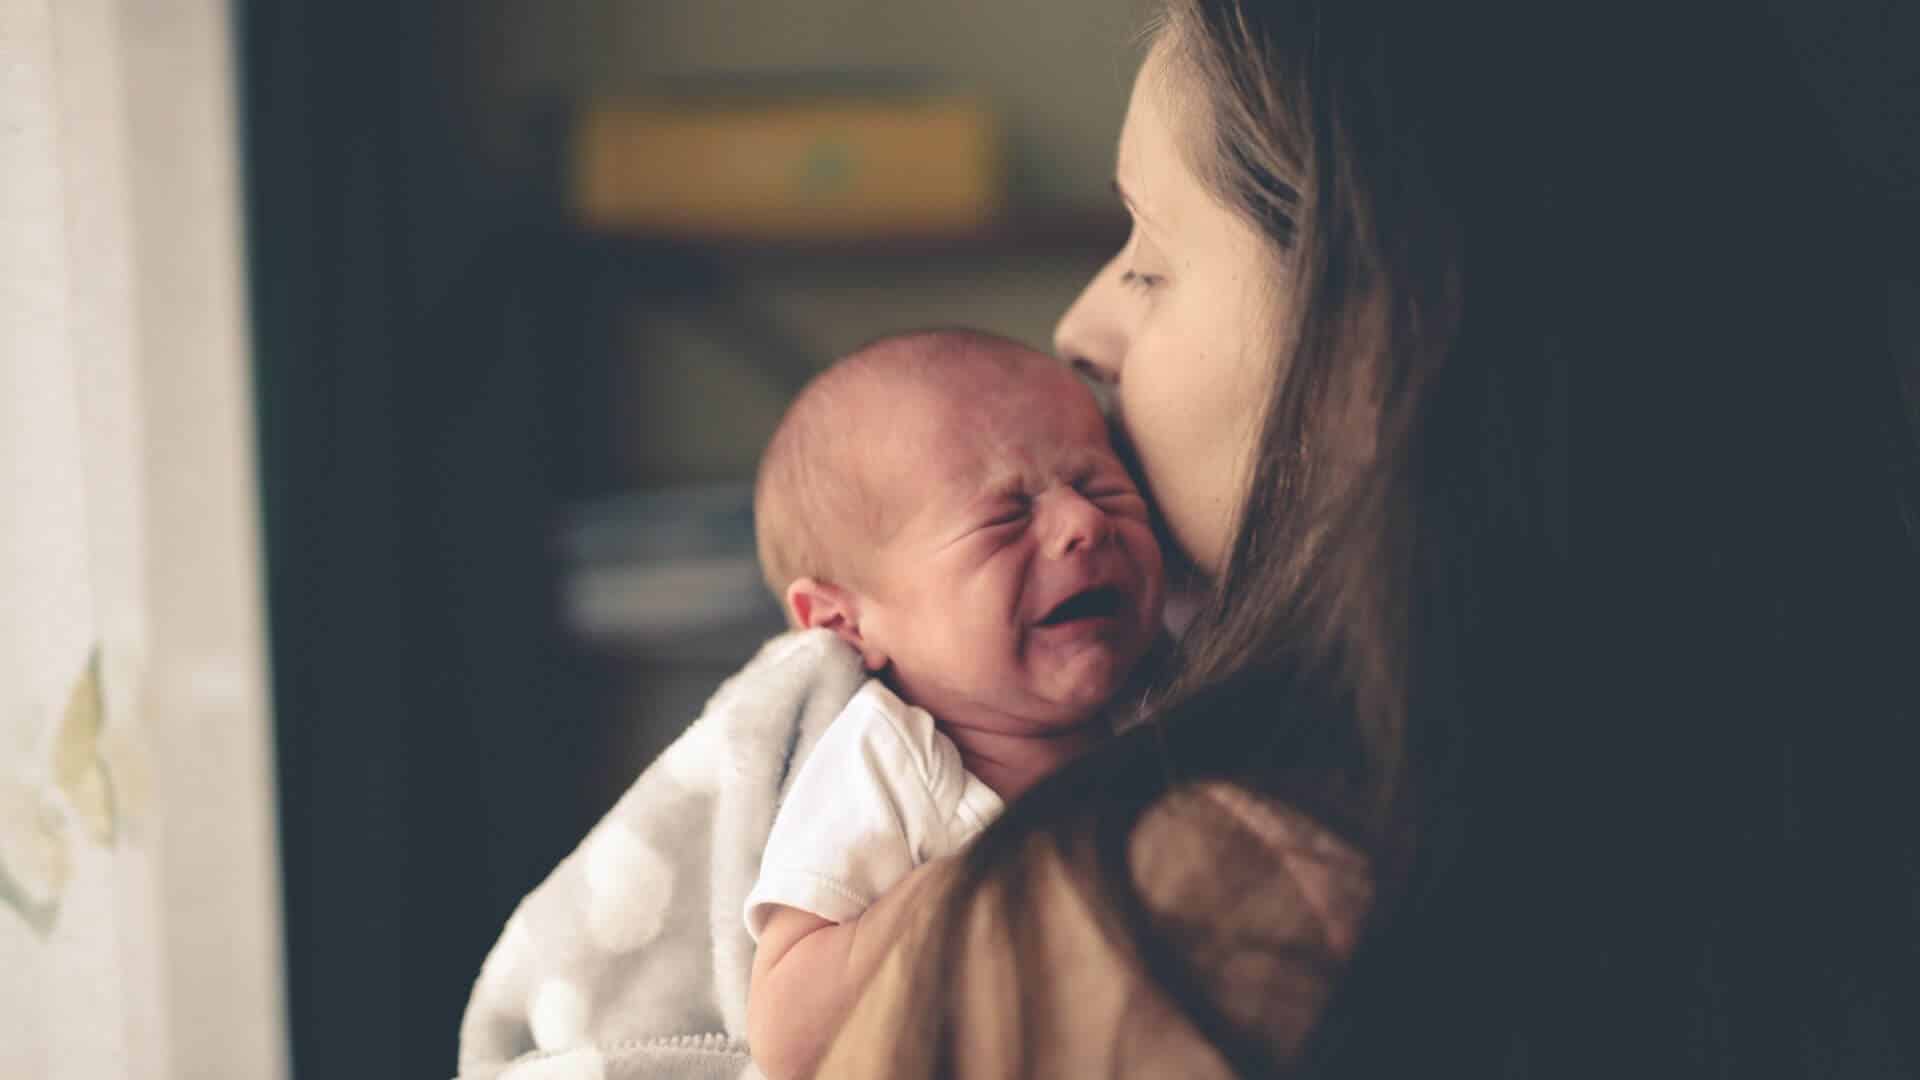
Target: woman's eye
column 1134, row 279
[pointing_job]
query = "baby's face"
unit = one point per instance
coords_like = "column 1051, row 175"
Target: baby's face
column 1023, row 582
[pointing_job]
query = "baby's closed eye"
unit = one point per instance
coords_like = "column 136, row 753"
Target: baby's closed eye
column 1011, row 512
column 1112, row 493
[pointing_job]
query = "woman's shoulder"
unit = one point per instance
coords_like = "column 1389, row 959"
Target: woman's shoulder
column 1260, row 906
column 1204, row 843
column 1262, row 903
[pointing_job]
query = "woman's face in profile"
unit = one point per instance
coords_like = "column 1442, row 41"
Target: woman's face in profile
column 1181, row 324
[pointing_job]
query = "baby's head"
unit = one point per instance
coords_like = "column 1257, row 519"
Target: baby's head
column 950, row 504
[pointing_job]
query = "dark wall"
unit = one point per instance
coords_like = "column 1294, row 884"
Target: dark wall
column 431, row 726
column 1861, row 62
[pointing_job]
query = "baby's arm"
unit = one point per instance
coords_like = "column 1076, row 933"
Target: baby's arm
column 808, row 972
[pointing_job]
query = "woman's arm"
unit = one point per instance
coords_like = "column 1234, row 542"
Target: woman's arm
column 808, row 972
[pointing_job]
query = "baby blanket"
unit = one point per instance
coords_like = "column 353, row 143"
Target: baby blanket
column 632, row 958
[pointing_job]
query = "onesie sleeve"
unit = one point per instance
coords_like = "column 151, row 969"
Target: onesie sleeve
column 864, row 809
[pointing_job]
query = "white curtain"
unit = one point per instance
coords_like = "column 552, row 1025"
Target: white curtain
column 139, row 929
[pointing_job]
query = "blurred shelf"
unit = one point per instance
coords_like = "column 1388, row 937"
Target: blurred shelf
column 1062, row 233
column 661, row 571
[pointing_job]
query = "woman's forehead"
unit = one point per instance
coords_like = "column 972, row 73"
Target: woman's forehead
column 1150, row 164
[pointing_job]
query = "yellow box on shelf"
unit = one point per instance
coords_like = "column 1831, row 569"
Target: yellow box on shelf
column 783, row 170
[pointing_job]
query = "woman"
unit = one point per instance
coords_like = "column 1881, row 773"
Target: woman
column 1515, row 387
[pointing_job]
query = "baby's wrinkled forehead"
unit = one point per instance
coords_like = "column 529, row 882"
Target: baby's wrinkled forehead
column 940, row 416
column 1005, row 436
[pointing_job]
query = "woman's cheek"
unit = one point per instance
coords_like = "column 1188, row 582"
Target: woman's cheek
column 1152, row 395
column 1176, row 486
column 1172, row 406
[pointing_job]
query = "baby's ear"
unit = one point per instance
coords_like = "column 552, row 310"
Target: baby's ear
column 818, row 605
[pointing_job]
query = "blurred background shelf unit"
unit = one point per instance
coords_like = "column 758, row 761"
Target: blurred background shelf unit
column 659, row 568
column 735, row 192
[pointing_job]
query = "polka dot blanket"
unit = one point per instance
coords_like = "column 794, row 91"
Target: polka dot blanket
column 632, row 958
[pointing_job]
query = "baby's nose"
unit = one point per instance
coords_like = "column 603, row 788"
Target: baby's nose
column 1078, row 525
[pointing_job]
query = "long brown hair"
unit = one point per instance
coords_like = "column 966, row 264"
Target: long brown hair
column 1374, row 282
column 1603, row 710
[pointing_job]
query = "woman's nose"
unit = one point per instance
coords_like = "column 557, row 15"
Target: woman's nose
column 1091, row 336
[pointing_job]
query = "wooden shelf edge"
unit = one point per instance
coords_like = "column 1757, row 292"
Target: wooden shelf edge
column 1070, row 232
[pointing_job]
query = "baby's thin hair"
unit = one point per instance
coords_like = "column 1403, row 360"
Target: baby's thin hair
column 813, row 489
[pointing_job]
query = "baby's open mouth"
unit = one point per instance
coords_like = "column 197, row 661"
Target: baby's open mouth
column 1102, row 602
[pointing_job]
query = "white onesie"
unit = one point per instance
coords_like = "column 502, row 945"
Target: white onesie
column 883, row 792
